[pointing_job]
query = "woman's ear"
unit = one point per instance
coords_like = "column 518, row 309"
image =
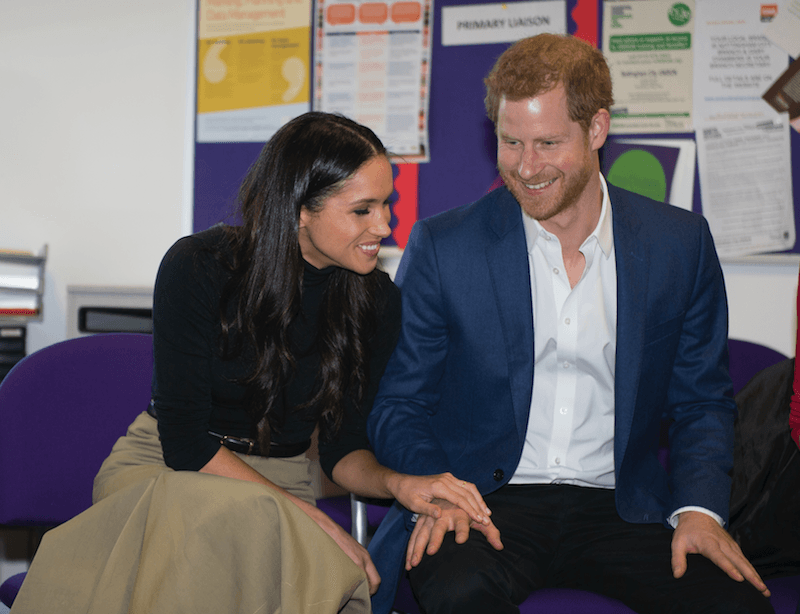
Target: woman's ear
column 305, row 215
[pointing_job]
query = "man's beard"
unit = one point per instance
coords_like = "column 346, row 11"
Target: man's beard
column 547, row 206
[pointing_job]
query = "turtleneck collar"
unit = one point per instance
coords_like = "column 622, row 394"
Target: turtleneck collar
column 312, row 276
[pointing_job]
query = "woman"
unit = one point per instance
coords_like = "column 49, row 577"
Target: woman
column 261, row 333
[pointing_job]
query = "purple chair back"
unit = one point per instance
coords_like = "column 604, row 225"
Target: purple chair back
column 747, row 359
column 61, row 410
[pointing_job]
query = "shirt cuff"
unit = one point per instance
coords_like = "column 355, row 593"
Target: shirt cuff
column 673, row 518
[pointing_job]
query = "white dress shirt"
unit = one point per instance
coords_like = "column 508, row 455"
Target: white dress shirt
column 570, row 437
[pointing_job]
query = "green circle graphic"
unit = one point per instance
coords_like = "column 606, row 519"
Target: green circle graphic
column 639, row 171
column 679, row 14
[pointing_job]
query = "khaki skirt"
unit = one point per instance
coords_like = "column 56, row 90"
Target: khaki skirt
column 163, row 541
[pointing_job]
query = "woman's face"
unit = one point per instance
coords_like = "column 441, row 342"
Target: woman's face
column 347, row 230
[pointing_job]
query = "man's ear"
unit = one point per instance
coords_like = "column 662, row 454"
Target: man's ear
column 598, row 129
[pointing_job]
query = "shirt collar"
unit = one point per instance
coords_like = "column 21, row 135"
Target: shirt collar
column 603, row 232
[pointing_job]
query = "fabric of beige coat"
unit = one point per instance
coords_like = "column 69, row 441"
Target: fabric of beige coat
column 160, row 541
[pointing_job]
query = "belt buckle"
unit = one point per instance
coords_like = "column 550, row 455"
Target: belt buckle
column 239, row 441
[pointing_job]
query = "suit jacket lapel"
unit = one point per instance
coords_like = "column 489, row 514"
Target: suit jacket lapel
column 507, row 257
column 632, row 258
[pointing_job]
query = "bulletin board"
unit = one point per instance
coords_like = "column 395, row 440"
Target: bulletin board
column 462, row 141
column 462, row 165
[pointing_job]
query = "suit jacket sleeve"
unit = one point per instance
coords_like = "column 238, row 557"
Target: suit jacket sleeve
column 700, row 394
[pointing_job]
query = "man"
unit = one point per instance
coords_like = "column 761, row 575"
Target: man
column 548, row 329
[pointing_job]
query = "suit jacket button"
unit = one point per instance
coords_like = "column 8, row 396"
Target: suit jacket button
column 498, row 475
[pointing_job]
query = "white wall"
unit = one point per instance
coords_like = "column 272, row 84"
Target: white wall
column 93, row 138
column 762, row 301
column 94, row 101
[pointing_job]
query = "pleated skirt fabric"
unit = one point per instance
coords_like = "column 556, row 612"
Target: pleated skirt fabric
column 160, row 541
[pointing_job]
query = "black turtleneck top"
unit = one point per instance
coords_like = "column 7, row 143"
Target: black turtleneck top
column 195, row 390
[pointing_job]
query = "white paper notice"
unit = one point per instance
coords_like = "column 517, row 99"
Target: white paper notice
column 648, row 45
column 745, row 176
column 735, row 63
column 506, row 22
column 743, row 144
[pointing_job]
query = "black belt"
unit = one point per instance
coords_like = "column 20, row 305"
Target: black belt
column 244, row 445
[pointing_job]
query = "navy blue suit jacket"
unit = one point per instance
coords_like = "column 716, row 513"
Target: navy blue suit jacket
column 456, row 393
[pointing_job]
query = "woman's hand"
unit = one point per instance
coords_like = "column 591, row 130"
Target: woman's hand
column 360, row 473
column 417, row 493
column 357, row 553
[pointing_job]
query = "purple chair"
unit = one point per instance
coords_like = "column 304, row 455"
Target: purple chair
column 746, row 360
column 61, row 410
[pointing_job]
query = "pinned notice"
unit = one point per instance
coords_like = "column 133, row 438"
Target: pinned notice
column 478, row 24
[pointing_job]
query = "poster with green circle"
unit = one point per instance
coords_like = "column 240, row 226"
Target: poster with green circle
column 647, row 168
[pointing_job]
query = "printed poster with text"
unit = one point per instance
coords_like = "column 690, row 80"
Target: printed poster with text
column 372, row 64
column 648, row 45
column 743, row 144
column 253, row 64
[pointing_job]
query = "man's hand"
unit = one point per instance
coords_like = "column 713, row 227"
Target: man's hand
column 699, row 533
column 429, row 532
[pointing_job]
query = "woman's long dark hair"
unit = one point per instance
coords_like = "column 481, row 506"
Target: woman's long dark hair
column 305, row 162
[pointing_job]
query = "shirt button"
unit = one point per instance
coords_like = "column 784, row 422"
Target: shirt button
column 566, row 321
column 556, row 271
column 563, row 411
column 498, row 475
column 566, row 365
column 558, row 461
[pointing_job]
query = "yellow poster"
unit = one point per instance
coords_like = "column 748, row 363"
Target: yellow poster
column 253, row 72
